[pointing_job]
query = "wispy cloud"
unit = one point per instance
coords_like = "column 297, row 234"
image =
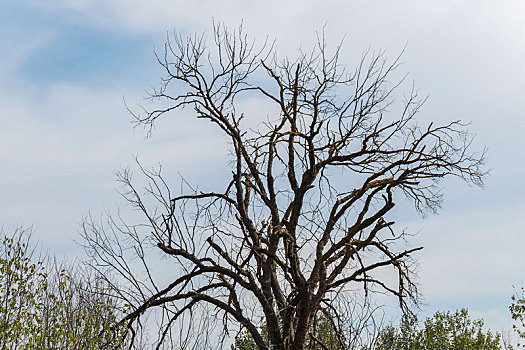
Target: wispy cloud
column 66, row 65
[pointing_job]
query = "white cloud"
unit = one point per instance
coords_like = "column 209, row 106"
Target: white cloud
column 60, row 149
column 472, row 252
column 61, row 145
column 467, row 57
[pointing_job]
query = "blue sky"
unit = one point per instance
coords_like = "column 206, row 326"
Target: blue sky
column 66, row 66
column 64, row 50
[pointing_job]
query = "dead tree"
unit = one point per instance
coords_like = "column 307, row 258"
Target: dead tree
column 304, row 216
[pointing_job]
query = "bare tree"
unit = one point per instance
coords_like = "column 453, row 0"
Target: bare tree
column 304, row 218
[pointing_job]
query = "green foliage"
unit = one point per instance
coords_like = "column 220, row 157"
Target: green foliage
column 322, row 331
column 517, row 311
column 443, row 331
column 244, row 341
column 45, row 308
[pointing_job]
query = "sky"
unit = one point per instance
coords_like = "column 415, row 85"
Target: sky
column 67, row 66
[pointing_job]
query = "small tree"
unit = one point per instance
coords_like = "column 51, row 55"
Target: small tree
column 517, row 311
column 303, row 218
column 442, row 331
column 46, row 307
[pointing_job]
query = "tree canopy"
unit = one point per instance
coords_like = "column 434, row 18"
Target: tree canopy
column 43, row 306
column 442, row 331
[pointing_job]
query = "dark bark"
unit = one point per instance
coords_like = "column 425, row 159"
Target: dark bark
column 305, row 212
